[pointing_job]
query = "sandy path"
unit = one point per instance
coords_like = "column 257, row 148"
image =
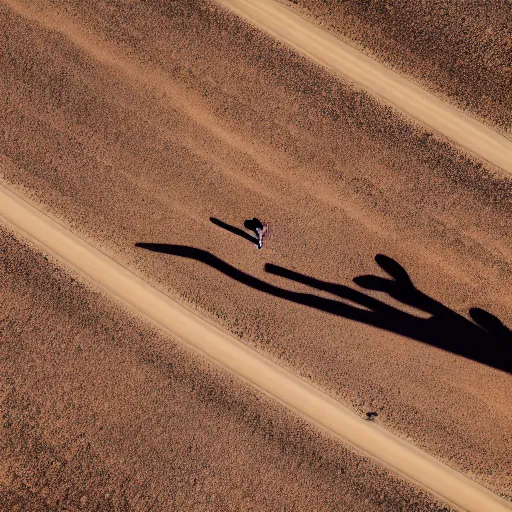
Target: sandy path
column 329, row 51
column 124, row 142
column 163, row 428
column 246, row 363
column 432, row 54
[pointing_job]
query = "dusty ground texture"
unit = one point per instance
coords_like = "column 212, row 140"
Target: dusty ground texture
column 102, row 412
column 136, row 122
column 461, row 50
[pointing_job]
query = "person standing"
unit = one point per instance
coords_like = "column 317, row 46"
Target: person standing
column 260, row 233
column 258, row 227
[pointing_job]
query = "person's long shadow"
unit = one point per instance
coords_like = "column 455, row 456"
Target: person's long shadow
column 487, row 341
column 235, row 230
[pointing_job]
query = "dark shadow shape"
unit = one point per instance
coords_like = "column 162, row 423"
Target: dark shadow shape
column 252, row 224
column 489, row 342
column 490, row 323
column 234, row 230
column 445, row 329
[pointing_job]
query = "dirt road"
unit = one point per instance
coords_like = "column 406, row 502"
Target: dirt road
column 104, row 410
column 259, row 371
column 153, row 130
column 418, row 103
column 462, row 52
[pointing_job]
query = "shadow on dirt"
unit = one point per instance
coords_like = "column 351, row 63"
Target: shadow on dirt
column 253, row 224
column 237, row 231
column 487, row 341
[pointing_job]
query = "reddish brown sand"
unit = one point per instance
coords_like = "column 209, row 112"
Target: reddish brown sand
column 462, row 50
column 100, row 411
column 136, row 123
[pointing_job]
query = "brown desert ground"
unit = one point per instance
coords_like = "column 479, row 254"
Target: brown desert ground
column 461, row 50
column 153, row 130
column 101, row 411
column 225, row 350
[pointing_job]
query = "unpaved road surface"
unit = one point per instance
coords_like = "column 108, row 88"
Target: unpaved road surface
column 252, row 367
column 324, row 48
column 462, row 51
column 153, row 130
column 101, row 410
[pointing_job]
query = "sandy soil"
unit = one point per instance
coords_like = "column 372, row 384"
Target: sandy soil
column 136, row 123
column 313, row 42
column 461, row 50
column 223, row 349
column 101, row 411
